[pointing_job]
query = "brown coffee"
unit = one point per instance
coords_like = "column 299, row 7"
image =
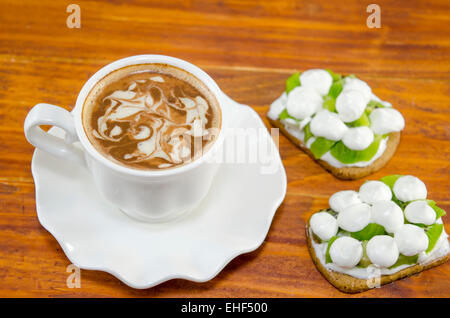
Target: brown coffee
column 151, row 116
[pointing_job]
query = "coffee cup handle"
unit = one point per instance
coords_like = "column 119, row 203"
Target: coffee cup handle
column 46, row 114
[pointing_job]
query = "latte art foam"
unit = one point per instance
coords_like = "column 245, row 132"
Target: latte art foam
column 153, row 117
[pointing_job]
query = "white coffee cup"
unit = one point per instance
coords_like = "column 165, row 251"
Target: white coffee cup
column 146, row 195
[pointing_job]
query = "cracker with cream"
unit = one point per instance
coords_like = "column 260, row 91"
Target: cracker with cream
column 386, row 231
column 338, row 121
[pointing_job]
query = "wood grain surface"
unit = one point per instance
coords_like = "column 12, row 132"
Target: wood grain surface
column 249, row 48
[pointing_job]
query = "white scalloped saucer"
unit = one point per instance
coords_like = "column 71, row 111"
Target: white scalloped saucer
column 233, row 219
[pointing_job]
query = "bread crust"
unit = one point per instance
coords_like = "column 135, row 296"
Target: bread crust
column 352, row 285
column 347, row 173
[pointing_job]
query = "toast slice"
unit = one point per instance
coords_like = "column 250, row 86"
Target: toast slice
column 352, row 285
column 346, row 173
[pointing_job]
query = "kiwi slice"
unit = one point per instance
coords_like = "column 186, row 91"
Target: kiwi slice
column 348, row 156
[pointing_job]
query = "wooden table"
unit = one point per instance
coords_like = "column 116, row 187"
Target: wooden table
column 249, row 48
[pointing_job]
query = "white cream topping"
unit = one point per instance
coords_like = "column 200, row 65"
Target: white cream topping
column 304, row 122
column 310, row 142
column 409, row 188
column 343, row 199
column 420, row 212
column 355, row 217
column 324, row 225
column 382, row 250
column 328, row 125
column 317, row 79
column 277, row 107
column 350, row 105
column 290, row 122
column 441, row 249
column 411, row 239
column 297, row 133
column 303, row 102
column 387, row 214
column 346, row 252
column 386, row 120
column 373, row 191
column 295, row 124
column 358, row 138
column 360, row 86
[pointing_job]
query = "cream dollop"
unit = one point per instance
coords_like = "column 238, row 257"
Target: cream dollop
column 409, row 188
column 346, row 252
column 303, row 102
column 386, row 120
column 358, row 138
column 355, row 217
column 387, row 214
column 317, row 79
column 343, row 199
column 328, row 125
column 420, row 212
column 350, row 105
column 360, row 86
column 277, row 107
column 324, row 225
column 411, row 239
column 382, row 250
column 373, row 191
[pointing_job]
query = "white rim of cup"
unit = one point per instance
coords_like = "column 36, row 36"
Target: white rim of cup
column 146, row 59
